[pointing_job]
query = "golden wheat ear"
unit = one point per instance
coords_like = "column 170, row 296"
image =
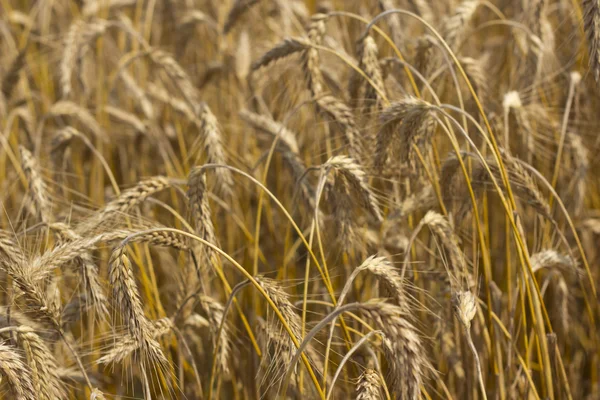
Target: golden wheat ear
column 591, row 23
column 37, row 187
column 16, row 373
column 281, row 50
column 127, row 299
column 11, row 76
column 311, row 63
column 368, row 386
column 127, row 345
column 80, row 35
column 198, row 197
column 410, row 120
column 368, row 55
column 97, row 395
column 402, row 349
column 40, row 359
column 239, row 8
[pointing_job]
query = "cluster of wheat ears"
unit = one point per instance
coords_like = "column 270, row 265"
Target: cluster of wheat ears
column 247, row 199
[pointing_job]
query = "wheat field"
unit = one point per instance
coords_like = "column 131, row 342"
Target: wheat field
column 299, row 199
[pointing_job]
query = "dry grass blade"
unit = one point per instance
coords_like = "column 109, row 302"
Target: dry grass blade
column 243, row 57
column 298, row 170
column 475, row 69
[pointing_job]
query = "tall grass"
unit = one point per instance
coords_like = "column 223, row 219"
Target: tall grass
column 249, row 199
